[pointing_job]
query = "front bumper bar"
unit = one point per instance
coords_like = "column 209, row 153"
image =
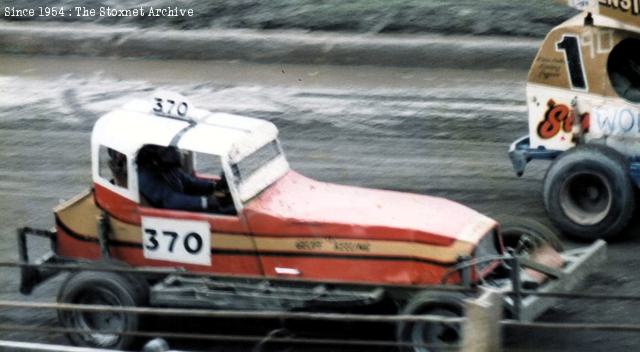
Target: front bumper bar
column 521, row 154
column 579, row 263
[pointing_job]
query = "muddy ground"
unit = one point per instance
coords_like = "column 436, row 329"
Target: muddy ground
column 435, row 132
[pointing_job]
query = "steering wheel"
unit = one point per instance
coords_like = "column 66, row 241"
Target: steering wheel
column 222, row 192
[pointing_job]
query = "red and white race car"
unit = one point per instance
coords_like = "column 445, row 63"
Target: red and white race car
column 369, row 244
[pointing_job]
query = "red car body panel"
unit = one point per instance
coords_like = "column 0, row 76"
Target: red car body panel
column 296, row 205
column 322, row 231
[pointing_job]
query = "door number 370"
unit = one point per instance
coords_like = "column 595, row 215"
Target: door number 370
column 191, row 242
column 174, row 240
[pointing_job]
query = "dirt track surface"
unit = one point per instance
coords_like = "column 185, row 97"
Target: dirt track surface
column 441, row 133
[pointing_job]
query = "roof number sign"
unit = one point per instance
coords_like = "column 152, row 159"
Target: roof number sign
column 172, row 240
column 167, row 104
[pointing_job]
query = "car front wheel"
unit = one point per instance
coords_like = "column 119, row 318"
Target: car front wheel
column 432, row 336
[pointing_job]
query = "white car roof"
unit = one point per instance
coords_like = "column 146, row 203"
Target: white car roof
column 129, row 128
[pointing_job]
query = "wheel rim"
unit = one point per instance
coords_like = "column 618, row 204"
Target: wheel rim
column 106, row 321
column 445, row 335
column 521, row 241
column 585, row 198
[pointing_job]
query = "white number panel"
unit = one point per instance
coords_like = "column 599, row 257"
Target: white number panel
column 170, row 104
column 182, row 241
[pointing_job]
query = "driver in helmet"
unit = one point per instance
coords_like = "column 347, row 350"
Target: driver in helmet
column 164, row 184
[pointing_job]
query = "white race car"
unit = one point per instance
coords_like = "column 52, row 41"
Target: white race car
column 583, row 95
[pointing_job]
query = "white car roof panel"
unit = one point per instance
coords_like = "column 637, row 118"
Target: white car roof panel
column 226, row 135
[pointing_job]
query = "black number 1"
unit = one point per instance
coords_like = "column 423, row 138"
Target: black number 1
column 571, row 46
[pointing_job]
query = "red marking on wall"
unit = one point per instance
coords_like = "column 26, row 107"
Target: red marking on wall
column 560, row 117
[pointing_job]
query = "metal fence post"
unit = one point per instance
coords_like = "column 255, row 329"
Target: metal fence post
column 481, row 330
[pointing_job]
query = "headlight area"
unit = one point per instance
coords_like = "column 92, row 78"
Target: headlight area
column 484, row 262
column 490, row 246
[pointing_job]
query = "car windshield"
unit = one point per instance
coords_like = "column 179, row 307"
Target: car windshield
column 259, row 169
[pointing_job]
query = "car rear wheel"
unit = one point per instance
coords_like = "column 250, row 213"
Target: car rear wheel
column 588, row 192
column 432, row 336
column 100, row 329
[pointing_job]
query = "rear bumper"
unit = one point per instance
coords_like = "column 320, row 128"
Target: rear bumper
column 33, row 274
column 521, row 154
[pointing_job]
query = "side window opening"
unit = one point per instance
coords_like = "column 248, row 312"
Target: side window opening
column 624, row 69
column 113, row 166
column 171, row 178
column 187, row 161
column 210, row 166
column 207, row 165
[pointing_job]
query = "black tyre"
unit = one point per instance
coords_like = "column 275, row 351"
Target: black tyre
column 526, row 235
column 102, row 288
column 588, row 192
column 434, row 336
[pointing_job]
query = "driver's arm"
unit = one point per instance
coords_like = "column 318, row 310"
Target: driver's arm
column 195, row 186
column 159, row 194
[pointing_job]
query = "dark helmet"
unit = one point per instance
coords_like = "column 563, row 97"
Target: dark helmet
column 155, row 156
column 170, row 158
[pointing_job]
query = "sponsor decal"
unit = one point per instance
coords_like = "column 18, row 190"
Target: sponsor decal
column 308, row 245
column 597, row 41
column 333, row 245
column 628, row 6
column 560, row 117
column 613, row 120
column 548, row 68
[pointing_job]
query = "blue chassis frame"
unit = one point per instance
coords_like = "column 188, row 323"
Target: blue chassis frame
column 521, row 154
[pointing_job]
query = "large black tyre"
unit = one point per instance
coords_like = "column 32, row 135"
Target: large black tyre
column 102, row 288
column 445, row 335
column 588, row 192
column 526, row 235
